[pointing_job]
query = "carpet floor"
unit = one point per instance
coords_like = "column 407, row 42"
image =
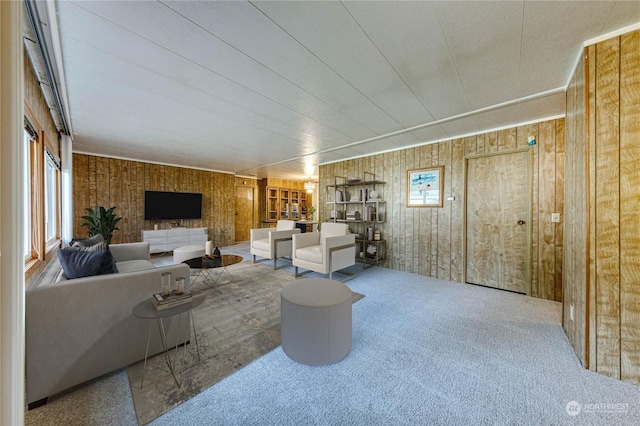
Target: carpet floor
column 424, row 351
column 238, row 322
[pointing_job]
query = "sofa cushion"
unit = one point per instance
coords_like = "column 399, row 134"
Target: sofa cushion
column 80, row 263
column 133, row 265
column 261, row 244
column 310, row 254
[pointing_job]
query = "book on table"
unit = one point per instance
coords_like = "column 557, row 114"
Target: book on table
column 161, row 301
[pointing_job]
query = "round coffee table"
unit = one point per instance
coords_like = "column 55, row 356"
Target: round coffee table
column 205, row 263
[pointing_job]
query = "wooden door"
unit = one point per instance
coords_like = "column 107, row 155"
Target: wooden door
column 498, row 189
column 244, row 213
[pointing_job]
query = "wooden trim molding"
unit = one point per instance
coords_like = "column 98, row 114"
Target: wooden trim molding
column 12, row 296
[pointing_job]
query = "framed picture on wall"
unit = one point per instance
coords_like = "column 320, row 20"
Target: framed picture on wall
column 425, row 187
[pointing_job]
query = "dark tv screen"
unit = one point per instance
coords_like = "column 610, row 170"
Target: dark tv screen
column 172, row 205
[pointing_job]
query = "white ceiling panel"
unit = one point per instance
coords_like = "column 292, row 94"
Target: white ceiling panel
column 192, row 67
column 485, row 46
column 568, row 18
column 355, row 59
column 537, row 109
column 270, row 88
column 411, row 39
column 624, row 13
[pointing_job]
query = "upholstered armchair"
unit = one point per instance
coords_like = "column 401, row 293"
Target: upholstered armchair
column 325, row 252
column 273, row 243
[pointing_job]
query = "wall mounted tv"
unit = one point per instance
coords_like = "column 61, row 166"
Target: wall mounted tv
column 172, row 205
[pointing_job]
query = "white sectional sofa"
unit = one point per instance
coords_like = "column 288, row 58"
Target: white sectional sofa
column 82, row 328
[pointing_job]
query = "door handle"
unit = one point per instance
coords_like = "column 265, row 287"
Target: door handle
column 521, row 222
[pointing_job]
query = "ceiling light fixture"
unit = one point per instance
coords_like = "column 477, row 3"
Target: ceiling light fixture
column 309, row 187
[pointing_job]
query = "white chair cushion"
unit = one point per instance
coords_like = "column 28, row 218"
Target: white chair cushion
column 285, row 225
column 333, row 229
column 310, row 254
column 261, row 244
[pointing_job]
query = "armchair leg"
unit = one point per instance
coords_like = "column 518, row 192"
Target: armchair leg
column 275, row 260
column 254, row 258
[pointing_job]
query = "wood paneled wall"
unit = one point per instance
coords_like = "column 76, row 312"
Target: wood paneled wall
column 575, row 262
column 428, row 241
column 610, row 336
column 121, row 183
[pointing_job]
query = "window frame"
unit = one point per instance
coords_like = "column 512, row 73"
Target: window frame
column 51, row 205
column 41, row 248
column 29, row 137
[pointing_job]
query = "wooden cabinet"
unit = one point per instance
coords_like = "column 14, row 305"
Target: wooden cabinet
column 272, row 204
column 285, row 203
column 360, row 203
column 295, row 205
column 165, row 240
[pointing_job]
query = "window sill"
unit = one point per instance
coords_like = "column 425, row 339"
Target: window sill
column 31, row 266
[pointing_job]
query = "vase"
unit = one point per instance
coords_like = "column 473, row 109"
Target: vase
column 155, row 226
column 216, row 252
column 208, row 248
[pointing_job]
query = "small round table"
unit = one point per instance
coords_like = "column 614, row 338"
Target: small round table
column 204, row 263
column 315, row 321
column 147, row 310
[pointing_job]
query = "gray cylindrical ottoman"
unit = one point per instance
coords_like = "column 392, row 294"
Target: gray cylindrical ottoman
column 315, row 321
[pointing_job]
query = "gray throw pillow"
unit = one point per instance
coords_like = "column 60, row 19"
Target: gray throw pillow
column 94, row 247
column 87, row 242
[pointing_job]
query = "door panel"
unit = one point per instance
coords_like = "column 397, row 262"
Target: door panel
column 497, row 225
column 244, row 213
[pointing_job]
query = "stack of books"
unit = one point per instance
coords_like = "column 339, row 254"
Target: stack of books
column 353, row 215
column 173, row 299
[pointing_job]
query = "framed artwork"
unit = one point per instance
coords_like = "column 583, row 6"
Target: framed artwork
column 425, row 187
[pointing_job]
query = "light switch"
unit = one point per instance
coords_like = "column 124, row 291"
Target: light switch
column 571, row 312
column 555, row 217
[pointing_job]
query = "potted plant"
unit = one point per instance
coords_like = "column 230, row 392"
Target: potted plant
column 101, row 221
column 311, row 211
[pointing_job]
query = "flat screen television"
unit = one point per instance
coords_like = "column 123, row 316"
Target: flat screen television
column 172, row 205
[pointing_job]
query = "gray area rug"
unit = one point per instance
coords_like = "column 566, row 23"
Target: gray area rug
column 238, row 322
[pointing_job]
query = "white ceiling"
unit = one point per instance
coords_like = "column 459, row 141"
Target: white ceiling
column 267, row 89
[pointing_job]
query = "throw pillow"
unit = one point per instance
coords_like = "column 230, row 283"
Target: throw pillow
column 95, row 247
column 80, row 263
column 87, row 242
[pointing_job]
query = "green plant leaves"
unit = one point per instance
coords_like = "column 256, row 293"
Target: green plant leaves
column 101, row 221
